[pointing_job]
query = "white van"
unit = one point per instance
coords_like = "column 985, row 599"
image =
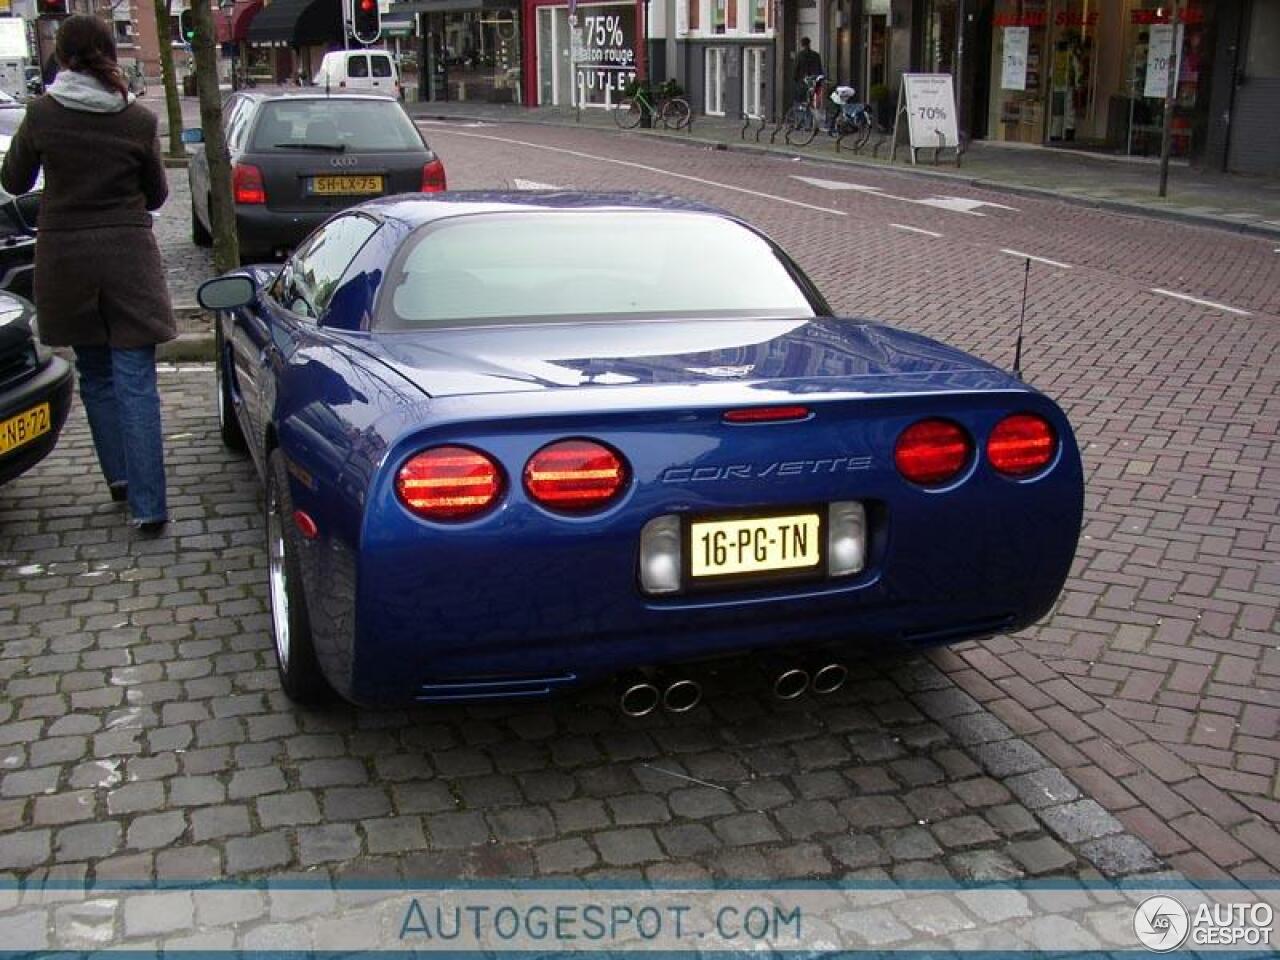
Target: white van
column 371, row 71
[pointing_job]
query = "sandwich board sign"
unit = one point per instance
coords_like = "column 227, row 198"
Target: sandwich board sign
column 929, row 102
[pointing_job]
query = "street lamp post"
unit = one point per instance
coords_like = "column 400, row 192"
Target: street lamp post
column 228, row 7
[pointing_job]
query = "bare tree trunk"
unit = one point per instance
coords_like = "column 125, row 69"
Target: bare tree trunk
column 171, row 101
column 226, row 251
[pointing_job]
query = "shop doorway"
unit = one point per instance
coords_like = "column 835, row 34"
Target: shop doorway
column 754, row 81
column 1254, row 147
column 875, row 54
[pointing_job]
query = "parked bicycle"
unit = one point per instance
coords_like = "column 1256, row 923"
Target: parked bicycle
column 671, row 109
column 802, row 119
column 851, row 121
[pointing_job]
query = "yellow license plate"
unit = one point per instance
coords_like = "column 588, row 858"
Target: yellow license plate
column 721, row 548
column 25, row 427
column 348, row 185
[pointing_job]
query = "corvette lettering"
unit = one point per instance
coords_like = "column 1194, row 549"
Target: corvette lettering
column 755, row 471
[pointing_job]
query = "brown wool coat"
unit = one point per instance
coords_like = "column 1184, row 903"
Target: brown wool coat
column 99, row 279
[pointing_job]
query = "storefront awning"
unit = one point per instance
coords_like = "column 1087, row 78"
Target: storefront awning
column 450, row 6
column 297, row 22
column 232, row 25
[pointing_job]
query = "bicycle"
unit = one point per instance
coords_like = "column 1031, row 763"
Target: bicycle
column 851, row 121
column 673, row 111
column 801, row 121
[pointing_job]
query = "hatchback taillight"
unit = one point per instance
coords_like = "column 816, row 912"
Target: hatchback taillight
column 575, row 475
column 1022, row 444
column 931, row 452
column 449, row 483
column 247, row 185
column 433, row 180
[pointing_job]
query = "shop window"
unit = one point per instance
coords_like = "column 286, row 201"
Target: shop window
column 714, row 78
column 1262, row 60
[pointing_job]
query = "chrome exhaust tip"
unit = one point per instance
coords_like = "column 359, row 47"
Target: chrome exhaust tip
column 791, row 683
column 638, row 697
column 681, row 696
column 830, row 677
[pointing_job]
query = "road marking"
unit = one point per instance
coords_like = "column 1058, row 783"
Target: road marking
column 927, row 233
column 1204, row 303
column 1030, row 256
column 643, row 166
column 953, row 204
column 534, row 185
column 473, row 124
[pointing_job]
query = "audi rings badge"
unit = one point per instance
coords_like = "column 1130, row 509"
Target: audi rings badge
column 344, row 161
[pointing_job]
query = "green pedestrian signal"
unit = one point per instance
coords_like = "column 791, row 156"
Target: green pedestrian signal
column 187, row 26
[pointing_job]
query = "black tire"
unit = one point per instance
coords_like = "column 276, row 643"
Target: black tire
column 200, row 236
column 676, row 113
column 228, row 425
column 296, row 661
column 628, row 113
column 802, row 126
column 862, row 133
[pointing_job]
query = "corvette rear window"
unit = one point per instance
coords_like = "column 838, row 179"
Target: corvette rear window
column 553, row 265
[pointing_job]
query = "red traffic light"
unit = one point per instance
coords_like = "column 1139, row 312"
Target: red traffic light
column 52, row 8
column 366, row 21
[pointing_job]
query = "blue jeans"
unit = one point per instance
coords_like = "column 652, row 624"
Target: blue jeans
column 120, row 396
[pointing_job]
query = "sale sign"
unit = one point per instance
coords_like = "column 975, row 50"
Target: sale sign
column 1013, row 73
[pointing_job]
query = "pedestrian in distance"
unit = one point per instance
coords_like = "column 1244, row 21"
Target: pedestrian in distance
column 808, row 64
column 99, row 281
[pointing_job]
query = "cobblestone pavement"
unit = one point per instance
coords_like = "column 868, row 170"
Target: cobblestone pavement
column 142, row 732
column 186, row 265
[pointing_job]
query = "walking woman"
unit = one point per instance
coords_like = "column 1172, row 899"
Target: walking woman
column 99, row 281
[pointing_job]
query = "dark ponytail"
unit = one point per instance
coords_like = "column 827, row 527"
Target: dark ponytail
column 85, row 45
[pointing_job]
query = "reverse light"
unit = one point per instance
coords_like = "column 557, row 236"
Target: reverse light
column 449, row 483
column 660, row 555
column 766, row 414
column 931, row 452
column 433, row 179
column 573, row 476
column 1022, row 444
column 247, row 184
column 846, row 538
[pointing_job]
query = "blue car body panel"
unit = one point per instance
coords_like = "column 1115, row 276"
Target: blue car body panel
column 522, row 602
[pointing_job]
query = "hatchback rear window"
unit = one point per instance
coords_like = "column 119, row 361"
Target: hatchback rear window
column 335, row 124
column 547, row 266
column 357, row 66
column 381, row 66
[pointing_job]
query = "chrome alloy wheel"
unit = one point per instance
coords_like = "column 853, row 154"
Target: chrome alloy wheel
column 278, row 578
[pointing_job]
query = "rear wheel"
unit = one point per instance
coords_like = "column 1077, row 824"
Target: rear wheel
column 675, row 113
column 200, row 236
column 802, row 125
column 300, row 674
column 628, row 114
column 228, row 425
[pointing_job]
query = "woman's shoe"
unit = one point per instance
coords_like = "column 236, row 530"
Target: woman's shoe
column 119, row 491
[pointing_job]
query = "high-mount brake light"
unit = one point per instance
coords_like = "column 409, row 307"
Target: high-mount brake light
column 574, row 476
column 449, row 483
column 932, row 452
column 1022, row 444
column 766, row 414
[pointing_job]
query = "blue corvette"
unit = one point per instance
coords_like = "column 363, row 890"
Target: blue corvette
column 502, row 459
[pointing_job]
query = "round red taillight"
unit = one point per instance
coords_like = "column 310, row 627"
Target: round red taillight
column 931, row 452
column 575, row 475
column 449, row 483
column 1022, row 444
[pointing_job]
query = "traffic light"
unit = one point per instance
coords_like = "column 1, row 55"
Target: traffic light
column 187, row 26
column 366, row 20
column 52, row 8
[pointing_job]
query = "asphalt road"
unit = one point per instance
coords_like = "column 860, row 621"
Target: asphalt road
column 143, row 734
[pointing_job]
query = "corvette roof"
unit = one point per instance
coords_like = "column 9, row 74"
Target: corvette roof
column 416, row 210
